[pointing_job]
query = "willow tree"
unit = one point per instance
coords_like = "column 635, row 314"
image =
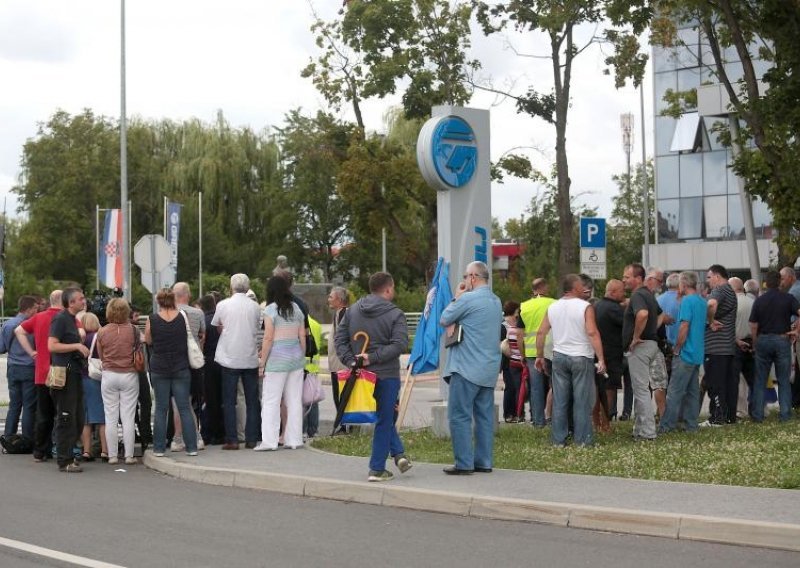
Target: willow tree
column 72, row 166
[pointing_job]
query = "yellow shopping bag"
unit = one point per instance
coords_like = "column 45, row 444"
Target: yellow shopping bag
column 361, row 406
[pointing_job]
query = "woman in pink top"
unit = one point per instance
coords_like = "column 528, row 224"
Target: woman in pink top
column 116, row 343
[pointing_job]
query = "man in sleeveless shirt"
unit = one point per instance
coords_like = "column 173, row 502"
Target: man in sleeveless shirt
column 576, row 342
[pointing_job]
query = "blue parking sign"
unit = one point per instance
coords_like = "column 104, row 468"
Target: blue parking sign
column 593, row 232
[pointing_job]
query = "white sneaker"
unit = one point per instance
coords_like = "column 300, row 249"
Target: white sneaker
column 191, row 454
column 158, row 454
column 201, row 445
column 131, row 461
column 177, row 444
column 113, row 461
column 264, row 448
column 708, row 424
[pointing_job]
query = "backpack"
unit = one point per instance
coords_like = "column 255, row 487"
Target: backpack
column 16, row 444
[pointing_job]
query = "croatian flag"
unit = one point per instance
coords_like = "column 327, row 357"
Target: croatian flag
column 110, row 268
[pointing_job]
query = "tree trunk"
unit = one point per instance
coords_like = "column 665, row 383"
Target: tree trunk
column 566, row 260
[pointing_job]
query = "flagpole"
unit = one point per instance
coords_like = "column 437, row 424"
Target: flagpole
column 123, row 165
column 165, row 216
column 200, row 242
column 405, row 397
column 97, row 247
column 130, row 247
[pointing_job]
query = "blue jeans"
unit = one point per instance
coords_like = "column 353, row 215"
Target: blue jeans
column 575, row 376
column 179, row 386
column 773, row 349
column 683, row 396
column 230, row 380
column 385, row 440
column 537, row 392
column 467, row 401
column 22, row 400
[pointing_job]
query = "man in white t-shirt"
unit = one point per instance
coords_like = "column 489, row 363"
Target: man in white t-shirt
column 238, row 319
column 576, row 341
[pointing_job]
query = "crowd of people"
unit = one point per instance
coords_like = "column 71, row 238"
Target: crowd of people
column 108, row 372
column 668, row 343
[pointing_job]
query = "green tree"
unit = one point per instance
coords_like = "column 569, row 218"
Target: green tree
column 67, row 169
column 557, row 21
column 381, row 185
column 72, row 166
column 765, row 30
column 314, row 149
column 538, row 230
column 374, row 47
column 626, row 228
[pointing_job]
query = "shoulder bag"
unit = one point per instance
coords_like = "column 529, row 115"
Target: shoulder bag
column 196, row 359
column 95, row 364
column 312, row 390
column 138, row 354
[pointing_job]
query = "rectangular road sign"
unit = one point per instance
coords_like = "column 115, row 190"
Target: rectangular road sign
column 593, row 255
column 595, row 270
column 593, row 232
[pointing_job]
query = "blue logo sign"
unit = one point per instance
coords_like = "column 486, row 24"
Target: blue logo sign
column 593, row 232
column 481, row 250
column 454, row 151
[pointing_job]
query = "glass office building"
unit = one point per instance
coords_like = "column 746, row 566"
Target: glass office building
column 698, row 208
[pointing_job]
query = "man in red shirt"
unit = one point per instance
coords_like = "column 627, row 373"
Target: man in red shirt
column 39, row 327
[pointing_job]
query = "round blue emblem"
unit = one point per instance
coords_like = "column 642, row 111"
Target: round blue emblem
column 454, row 151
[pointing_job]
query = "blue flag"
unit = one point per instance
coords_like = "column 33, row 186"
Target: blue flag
column 425, row 351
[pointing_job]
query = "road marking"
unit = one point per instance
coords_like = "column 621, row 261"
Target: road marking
column 55, row 554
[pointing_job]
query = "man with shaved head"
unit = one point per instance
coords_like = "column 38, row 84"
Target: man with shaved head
column 609, row 315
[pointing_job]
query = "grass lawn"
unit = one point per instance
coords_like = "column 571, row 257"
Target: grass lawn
column 755, row 455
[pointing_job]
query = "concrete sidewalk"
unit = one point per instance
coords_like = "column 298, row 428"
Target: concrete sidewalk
column 724, row 514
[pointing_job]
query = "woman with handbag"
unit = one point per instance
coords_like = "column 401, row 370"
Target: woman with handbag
column 166, row 332
column 282, row 360
column 92, row 398
column 118, row 343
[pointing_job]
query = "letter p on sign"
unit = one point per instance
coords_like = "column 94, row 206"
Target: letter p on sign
column 593, row 232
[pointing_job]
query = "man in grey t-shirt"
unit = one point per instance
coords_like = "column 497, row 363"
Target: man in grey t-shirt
column 197, row 323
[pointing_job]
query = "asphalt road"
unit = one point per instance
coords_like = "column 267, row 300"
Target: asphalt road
column 140, row 518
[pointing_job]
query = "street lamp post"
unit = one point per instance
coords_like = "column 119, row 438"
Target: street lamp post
column 123, row 166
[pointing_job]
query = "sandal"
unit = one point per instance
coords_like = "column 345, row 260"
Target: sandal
column 104, row 456
column 87, row 457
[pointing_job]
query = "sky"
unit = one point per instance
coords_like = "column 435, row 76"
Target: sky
column 191, row 58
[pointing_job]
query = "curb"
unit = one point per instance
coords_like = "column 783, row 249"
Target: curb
column 780, row 536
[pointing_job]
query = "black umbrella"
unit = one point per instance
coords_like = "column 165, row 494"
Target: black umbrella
column 347, row 389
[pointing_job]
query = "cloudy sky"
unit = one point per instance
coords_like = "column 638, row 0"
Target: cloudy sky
column 190, row 58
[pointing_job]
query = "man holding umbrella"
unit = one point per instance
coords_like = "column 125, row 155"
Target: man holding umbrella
column 385, row 325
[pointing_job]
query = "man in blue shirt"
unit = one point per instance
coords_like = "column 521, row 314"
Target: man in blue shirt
column 670, row 304
column 20, row 372
column 473, row 366
column 683, row 392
